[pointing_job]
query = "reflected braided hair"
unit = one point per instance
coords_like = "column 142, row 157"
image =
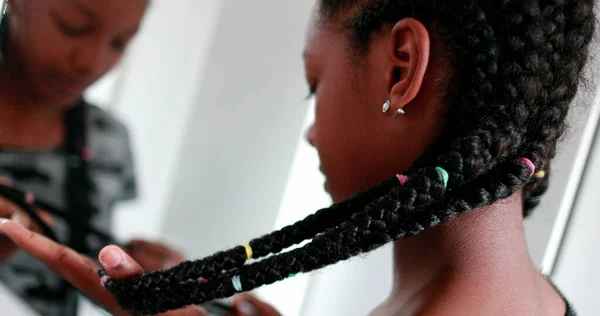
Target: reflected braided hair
column 518, row 64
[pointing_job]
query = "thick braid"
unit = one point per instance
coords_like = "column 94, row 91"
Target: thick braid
column 480, row 159
column 380, row 223
column 571, row 31
column 276, row 241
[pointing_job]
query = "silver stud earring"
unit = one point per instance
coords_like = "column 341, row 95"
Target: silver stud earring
column 400, row 112
column 386, row 106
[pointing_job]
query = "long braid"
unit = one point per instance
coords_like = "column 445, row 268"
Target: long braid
column 481, row 159
column 377, row 225
column 573, row 27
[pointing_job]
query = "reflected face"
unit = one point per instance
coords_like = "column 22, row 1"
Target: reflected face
column 358, row 145
column 64, row 46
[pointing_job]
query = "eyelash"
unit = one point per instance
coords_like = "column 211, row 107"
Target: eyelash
column 118, row 45
column 71, row 31
column 75, row 32
column 311, row 92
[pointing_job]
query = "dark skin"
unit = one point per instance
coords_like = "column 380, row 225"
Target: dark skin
column 56, row 50
column 477, row 264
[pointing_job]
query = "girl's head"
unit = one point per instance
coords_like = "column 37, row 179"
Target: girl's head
column 508, row 69
column 63, row 46
column 485, row 85
column 402, row 62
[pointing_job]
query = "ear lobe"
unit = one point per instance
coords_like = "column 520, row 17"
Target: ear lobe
column 409, row 53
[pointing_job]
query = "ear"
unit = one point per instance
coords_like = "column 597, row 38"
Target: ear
column 409, row 53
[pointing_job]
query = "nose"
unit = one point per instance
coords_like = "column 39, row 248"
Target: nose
column 311, row 135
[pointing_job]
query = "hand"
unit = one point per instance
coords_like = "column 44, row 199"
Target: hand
column 248, row 305
column 81, row 271
column 153, row 256
column 10, row 211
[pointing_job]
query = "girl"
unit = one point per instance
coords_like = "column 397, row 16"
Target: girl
column 70, row 154
column 459, row 105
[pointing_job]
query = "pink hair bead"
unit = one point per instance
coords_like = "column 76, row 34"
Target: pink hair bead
column 402, row 178
column 202, row 281
column 29, row 198
column 529, row 164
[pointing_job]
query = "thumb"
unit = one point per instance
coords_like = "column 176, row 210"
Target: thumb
column 118, row 264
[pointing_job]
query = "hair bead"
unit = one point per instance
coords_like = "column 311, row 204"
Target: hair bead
column 237, row 283
column 402, row 178
column 540, row 174
column 249, row 252
column 529, row 164
column 444, row 175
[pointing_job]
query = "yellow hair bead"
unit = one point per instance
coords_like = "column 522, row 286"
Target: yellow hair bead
column 540, row 174
column 248, row 251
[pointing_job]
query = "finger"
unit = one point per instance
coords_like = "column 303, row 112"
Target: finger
column 154, row 252
column 70, row 265
column 7, row 208
column 6, row 182
column 147, row 246
column 21, row 218
column 147, row 261
column 189, row 311
column 46, row 218
column 118, row 264
column 248, row 305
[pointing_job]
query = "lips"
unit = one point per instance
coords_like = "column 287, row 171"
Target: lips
column 69, row 85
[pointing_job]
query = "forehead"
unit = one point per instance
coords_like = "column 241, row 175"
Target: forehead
column 324, row 38
column 105, row 10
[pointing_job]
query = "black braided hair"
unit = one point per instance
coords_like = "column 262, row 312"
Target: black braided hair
column 518, row 65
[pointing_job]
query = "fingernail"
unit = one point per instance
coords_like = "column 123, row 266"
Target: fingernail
column 247, row 309
column 21, row 219
column 112, row 258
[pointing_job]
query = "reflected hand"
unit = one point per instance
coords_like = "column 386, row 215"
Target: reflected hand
column 153, row 256
column 80, row 270
column 248, row 305
column 11, row 211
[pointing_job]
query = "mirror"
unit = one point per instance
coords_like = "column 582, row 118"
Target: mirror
column 194, row 137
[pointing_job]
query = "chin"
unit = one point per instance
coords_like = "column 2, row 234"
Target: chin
column 61, row 101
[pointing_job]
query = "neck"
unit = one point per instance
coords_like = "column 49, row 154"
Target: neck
column 484, row 250
column 31, row 123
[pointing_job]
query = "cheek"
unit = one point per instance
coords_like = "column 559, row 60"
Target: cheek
column 42, row 45
column 341, row 137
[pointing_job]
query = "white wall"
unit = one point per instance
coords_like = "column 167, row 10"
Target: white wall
column 155, row 96
column 577, row 271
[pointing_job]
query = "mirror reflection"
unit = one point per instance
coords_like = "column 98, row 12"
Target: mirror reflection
column 177, row 130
